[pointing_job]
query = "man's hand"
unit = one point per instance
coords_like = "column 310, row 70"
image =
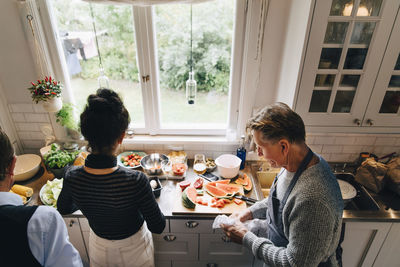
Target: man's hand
column 235, row 232
column 242, row 216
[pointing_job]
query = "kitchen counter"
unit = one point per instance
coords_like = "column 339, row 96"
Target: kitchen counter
column 389, row 204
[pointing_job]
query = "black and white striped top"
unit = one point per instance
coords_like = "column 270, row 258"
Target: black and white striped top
column 115, row 204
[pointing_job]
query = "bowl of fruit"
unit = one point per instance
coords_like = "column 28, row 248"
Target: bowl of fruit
column 130, row 159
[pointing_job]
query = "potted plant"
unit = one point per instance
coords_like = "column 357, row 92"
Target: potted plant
column 47, row 91
column 65, row 116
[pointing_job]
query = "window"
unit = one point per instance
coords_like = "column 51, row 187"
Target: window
column 145, row 53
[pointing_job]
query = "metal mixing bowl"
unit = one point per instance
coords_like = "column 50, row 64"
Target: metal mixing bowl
column 152, row 164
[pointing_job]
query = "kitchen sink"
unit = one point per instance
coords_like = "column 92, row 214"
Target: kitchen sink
column 363, row 200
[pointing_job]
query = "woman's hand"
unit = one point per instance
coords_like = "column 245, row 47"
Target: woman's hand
column 242, row 216
column 235, row 232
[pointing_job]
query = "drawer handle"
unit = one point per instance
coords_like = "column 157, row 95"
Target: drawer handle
column 71, row 223
column 191, row 224
column 225, row 239
column 212, row 265
column 169, row 238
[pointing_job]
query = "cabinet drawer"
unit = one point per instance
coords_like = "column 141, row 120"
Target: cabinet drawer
column 218, row 247
column 212, row 263
column 84, row 224
column 163, row 263
column 191, row 226
column 175, row 246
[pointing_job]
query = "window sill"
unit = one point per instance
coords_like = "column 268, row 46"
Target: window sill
column 179, row 140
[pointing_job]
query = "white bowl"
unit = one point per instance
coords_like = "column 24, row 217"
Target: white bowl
column 26, row 167
column 228, row 165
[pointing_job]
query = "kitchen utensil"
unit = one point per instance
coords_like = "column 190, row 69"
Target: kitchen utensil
column 26, row 166
column 152, row 164
column 247, row 199
column 199, row 164
column 157, row 190
column 228, row 165
column 210, row 177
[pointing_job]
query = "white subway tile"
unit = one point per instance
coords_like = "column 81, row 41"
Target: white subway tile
column 37, row 117
column 37, row 135
column 127, row 147
column 31, row 151
column 33, row 144
column 39, row 108
column 352, row 149
column 212, row 148
column 324, row 140
column 340, row 157
column 378, row 150
column 153, row 147
column 326, row 156
column 171, row 147
column 316, row 148
column 217, row 154
column 229, row 147
column 18, row 117
column 332, row 149
column 365, row 140
column 370, row 149
column 25, row 126
column 25, row 135
column 21, row 107
column 385, row 141
column 344, row 140
column 389, row 149
column 353, row 157
column 310, row 139
column 193, row 147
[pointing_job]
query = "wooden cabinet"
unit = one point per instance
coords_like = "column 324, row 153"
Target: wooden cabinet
column 363, row 242
column 76, row 238
column 175, row 246
column 351, row 69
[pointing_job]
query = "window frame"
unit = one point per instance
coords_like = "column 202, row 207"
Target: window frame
column 148, row 65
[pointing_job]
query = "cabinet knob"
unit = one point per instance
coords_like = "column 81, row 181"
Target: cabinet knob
column 370, row 122
column 191, row 224
column 169, row 238
column 225, row 239
column 357, row 121
column 71, row 223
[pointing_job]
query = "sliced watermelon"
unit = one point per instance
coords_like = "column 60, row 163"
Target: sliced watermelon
column 241, row 180
column 238, row 201
column 216, row 192
column 184, row 184
column 231, row 189
column 249, row 185
column 227, row 181
column 198, row 184
column 189, row 197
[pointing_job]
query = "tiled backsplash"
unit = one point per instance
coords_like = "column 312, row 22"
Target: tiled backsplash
column 334, row 147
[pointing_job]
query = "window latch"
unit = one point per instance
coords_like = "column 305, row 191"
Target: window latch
column 146, row 78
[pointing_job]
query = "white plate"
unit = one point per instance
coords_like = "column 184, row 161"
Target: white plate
column 41, row 193
column 348, row 191
column 126, row 153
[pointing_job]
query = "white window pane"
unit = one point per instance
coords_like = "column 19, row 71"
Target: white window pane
column 212, row 45
column 115, row 31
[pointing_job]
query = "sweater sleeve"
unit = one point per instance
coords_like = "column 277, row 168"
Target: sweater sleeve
column 149, row 208
column 259, row 209
column 311, row 232
column 65, row 205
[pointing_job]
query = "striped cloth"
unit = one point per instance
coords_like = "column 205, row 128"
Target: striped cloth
column 115, row 204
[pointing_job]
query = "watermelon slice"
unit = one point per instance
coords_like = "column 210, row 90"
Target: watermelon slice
column 245, row 181
column 227, row 181
column 231, row 189
column 215, row 191
column 189, row 197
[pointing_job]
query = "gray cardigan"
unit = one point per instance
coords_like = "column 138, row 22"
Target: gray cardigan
column 312, row 219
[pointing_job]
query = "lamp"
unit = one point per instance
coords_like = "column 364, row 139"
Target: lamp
column 191, row 85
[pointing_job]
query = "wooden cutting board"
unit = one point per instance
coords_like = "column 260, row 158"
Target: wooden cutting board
column 179, row 209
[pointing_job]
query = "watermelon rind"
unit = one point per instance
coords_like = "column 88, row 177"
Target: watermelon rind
column 186, row 201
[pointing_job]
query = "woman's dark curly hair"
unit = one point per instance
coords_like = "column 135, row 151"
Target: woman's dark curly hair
column 104, row 120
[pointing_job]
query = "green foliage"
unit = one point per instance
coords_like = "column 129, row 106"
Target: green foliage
column 212, row 38
column 57, row 158
column 65, row 116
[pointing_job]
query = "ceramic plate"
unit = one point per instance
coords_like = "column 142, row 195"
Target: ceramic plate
column 348, row 191
column 126, row 153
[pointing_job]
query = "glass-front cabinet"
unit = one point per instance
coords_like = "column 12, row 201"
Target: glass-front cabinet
column 351, row 74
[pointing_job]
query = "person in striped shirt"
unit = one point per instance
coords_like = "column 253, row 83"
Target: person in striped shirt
column 118, row 202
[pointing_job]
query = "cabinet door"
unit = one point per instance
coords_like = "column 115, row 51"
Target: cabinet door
column 218, row 247
column 75, row 237
column 175, row 246
column 346, row 45
column 383, row 108
column 362, row 242
column 389, row 255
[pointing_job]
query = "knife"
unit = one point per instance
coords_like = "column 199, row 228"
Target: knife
column 247, row 199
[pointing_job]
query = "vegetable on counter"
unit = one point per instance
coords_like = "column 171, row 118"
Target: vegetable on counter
column 50, row 192
column 57, row 158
